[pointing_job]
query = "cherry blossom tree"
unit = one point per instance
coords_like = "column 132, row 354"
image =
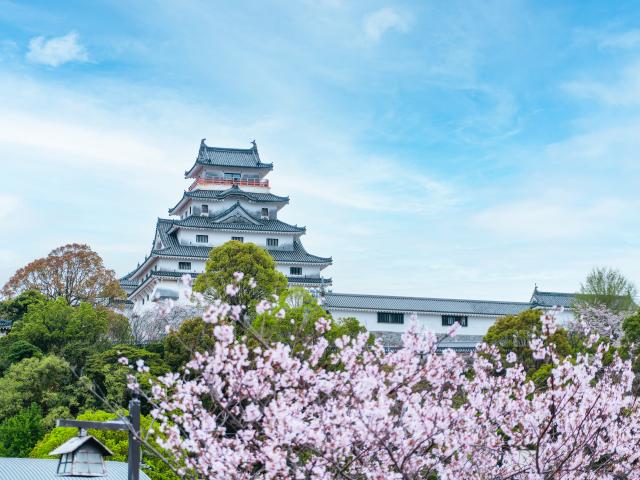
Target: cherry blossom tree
column 240, row 412
column 598, row 319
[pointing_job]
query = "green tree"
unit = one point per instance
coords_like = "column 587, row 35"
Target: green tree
column 297, row 326
column 253, row 261
column 117, row 442
column 46, row 381
column 20, row 433
column 14, row 308
column 109, row 378
column 193, row 335
column 13, row 349
column 72, row 332
column 607, row 287
column 512, row 333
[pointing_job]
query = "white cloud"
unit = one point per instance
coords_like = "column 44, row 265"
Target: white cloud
column 377, row 23
column 57, row 50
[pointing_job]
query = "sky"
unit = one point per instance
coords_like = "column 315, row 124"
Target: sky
column 449, row 149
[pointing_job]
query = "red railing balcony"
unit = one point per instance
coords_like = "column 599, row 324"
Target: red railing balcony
column 224, row 181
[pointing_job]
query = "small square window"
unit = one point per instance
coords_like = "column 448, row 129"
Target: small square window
column 295, row 270
column 238, row 239
column 272, row 242
column 387, row 317
column 449, row 320
column 205, row 208
column 184, row 265
column 202, row 238
column 265, row 213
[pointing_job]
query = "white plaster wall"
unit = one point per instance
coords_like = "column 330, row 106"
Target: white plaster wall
column 431, row 322
column 188, row 237
column 308, row 270
column 171, row 265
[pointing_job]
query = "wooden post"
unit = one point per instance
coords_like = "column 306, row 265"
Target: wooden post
column 134, row 439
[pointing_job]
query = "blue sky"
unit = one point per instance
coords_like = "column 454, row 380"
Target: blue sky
column 456, row 149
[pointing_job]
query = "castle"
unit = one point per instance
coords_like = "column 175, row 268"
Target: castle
column 230, row 199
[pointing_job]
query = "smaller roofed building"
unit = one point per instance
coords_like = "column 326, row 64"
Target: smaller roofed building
column 388, row 317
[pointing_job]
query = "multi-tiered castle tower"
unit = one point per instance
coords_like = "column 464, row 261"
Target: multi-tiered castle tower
column 229, row 199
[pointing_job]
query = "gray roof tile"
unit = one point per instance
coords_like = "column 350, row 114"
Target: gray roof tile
column 45, row 469
column 229, row 157
column 417, row 304
column 552, row 299
column 234, row 191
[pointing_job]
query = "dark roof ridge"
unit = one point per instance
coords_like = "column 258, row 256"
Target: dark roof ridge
column 566, row 294
column 427, row 298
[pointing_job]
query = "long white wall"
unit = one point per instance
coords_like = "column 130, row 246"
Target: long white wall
column 477, row 325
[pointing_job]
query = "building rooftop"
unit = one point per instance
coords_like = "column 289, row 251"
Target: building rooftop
column 236, row 218
column 232, row 192
column 552, row 299
column 45, row 469
column 383, row 303
column 228, row 157
column 5, row 325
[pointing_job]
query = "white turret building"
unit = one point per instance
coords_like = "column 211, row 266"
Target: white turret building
column 229, row 199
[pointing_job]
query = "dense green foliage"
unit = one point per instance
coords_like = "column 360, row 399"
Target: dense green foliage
column 18, row 434
column 297, row 327
column 193, row 335
column 15, row 308
column 46, row 381
column 114, row 441
column 109, row 378
column 70, row 332
column 512, row 334
column 254, row 261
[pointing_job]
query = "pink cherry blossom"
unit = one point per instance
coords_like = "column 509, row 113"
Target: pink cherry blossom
column 267, row 412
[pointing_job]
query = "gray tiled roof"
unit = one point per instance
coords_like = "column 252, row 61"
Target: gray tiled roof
column 230, row 157
column 220, row 222
column 5, row 324
column 416, row 304
column 173, row 248
column 45, row 469
column 270, row 225
column 552, row 299
column 234, row 191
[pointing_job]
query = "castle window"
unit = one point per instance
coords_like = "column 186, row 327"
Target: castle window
column 205, row 208
column 238, row 239
column 295, row 270
column 449, row 320
column 202, row 238
column 184, row 265
column 264, row 213
column 272, row 242
column 232, row 176
column 387, row 317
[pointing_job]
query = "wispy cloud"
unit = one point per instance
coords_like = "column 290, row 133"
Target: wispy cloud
column 628, row 39
column 377, row 23
column 551, row 218
column 57, row 51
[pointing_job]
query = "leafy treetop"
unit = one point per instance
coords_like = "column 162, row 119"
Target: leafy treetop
column 73, row 271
